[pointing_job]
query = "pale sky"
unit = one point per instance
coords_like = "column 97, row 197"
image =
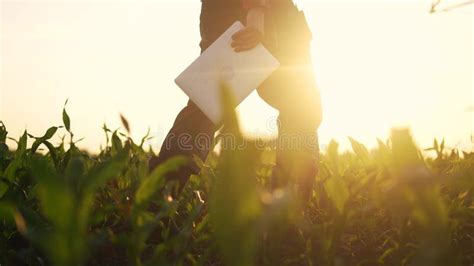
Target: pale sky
column 378, row 64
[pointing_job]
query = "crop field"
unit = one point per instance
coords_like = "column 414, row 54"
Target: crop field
column 388, row 206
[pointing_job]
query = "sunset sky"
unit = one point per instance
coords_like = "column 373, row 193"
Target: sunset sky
column 378, row 64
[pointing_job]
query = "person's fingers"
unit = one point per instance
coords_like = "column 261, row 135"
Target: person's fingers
column 246, row 47
column 246, row 39
column 242, row 33
column 245, row 33
column 249, row 39
column 252, row 38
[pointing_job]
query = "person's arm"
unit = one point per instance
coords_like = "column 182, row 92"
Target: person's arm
column 252, row 34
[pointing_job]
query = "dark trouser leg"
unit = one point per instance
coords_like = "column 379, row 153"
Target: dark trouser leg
column 192, row 133
column 297, row 157
column 300, row 116
column 292, row 90
column 298, row 147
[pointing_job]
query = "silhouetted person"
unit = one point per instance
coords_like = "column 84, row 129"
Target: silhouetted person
column 282, row 28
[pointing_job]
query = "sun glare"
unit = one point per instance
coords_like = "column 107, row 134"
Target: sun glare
column 378, row 65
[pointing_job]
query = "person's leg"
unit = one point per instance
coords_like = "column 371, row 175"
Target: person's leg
column 292, row 90
column 192, row 134
column 299, row 119
column 297, row 155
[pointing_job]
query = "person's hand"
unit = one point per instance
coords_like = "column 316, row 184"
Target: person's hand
column 246, row 39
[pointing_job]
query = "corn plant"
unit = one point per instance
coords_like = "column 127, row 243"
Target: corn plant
column 391, row 205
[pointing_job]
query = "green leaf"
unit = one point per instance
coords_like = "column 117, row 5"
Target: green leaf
column 57, row 202
column 125, row 123
column 333, row 156
column 198, row 161
column 6, row 211
column 52, row 151
column 359, row 149
column 75, row 169
column 3, row 188
column 10, row 214
column 383, row 154
column 21, row 145
column 337, row 191
column 145, row 138
column 105, row 171
column 49, row 134
column 116, row 142
column 332, row 150
column 96, row 177
column 231, row 123
column 235, row 207
column 10, row 172
column 17, row 162
column 405, row 152
column 35, row 145
column 156, row 180
column 3, row 132
column 66, row 119
column 382, row 146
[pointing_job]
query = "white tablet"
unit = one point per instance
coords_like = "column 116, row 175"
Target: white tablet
column 241, row 72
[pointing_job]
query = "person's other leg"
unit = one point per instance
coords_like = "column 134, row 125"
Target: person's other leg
column 292, row 90
column 299, row 119
column 192, row 134
column 297, row 157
